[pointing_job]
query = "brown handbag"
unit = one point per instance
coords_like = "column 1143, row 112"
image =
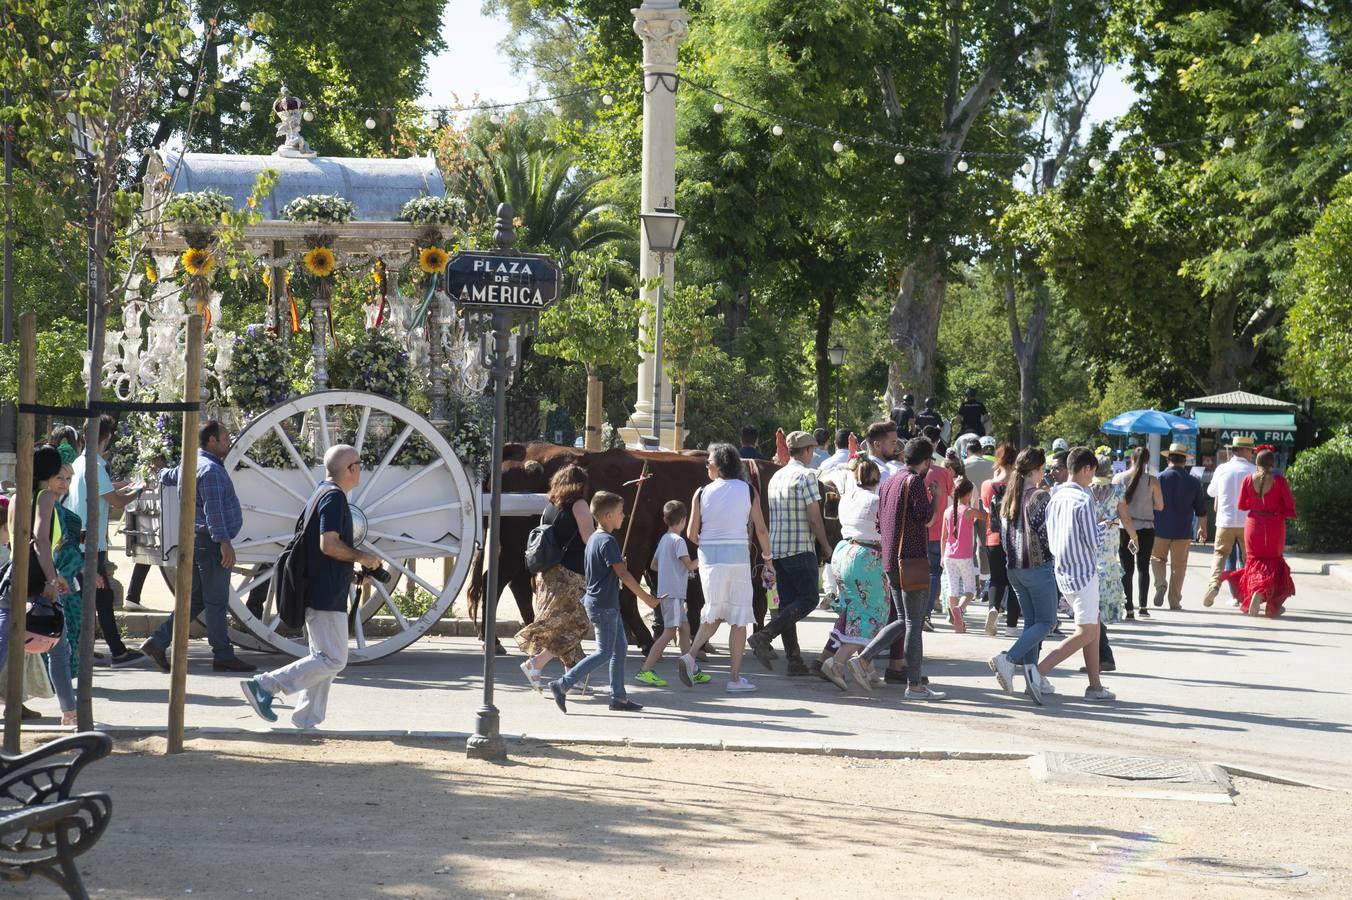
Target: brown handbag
column 914, row 573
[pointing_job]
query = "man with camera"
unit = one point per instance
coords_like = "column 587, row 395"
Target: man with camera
column 330, row 555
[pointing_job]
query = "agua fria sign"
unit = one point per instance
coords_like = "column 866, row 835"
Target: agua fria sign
column 525, row 281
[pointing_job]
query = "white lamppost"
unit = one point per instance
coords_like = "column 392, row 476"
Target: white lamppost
column 661, row 25
column 663, row 228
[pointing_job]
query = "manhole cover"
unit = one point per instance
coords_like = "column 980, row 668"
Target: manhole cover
column 1163, row 777
column 1211, row 867
column 1132, row 768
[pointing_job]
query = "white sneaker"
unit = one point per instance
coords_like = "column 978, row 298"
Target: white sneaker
column 1102, row 695
column 1042, row 682
column 1032, row 684
column 532, row 674
column 1004, row 671
column 740, row 686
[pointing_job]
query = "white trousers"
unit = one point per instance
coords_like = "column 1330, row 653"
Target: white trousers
column 312, row 676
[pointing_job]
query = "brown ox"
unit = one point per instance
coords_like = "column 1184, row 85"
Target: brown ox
column 672, row 476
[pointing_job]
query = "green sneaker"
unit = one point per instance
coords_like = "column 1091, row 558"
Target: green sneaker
column 650, row 677
column 702, row 678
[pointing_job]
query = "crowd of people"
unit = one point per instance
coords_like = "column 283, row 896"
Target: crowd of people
column 926, row 531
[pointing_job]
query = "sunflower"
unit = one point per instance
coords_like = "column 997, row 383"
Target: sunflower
column 319, row 262
column 197, row 261
column 433, row 260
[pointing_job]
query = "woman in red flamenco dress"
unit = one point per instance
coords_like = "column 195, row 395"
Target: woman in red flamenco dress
column 1265, row 578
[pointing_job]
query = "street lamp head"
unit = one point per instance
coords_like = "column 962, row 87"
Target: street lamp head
column 664, row 229
column 81, row 130
column 837, row 354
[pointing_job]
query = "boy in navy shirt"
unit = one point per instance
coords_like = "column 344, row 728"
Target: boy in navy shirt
column 605, row 571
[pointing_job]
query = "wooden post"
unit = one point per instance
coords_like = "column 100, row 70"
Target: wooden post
column 187, row 516
column 678, row 429
column 23, row 532
column 595, row 398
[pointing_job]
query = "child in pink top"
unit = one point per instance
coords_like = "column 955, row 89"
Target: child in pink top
column 957, row 538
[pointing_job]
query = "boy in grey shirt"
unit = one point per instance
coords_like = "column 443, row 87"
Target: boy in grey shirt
column 674, row 568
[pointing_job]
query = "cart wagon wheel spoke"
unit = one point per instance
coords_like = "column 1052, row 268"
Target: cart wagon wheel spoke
column 417, row 533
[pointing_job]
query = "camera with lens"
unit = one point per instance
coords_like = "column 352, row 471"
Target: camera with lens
column 378, row 573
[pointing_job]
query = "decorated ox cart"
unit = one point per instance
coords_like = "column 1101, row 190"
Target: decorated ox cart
column 418, row 505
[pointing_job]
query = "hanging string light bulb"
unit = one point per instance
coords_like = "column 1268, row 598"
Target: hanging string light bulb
column 838, row 147
column 308, row 116
column 962, row 165
column 899, row 159
column 1028, row 168
column 1095, row 163
column 718, row 107
column 777, row 130
column 245, row 106
column 1228, row 142
column 370, row 124
column 1298, row 123
column 1159, row 154
column 607, row 99
column 183, row 90
column 495, row 118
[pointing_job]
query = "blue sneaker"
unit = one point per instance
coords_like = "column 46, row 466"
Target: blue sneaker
column 259, row 699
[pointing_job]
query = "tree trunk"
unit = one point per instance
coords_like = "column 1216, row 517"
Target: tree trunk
column 592, row 440
column 913, row 325
column 826, row 314
column 1027, row 343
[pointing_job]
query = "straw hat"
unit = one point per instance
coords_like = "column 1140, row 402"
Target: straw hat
column 1178, row 450
column 1241, row 442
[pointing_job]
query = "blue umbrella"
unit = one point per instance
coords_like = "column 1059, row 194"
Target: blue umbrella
column 1149, row 421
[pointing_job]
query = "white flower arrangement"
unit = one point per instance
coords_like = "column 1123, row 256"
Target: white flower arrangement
column 198, row 207
column 320, row 208
column 433, row 211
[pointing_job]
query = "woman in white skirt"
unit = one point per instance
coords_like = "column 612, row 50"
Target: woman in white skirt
column 719, row 516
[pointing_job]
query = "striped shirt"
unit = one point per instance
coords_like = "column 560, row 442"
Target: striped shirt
column 792, row 489
column 1073, row 535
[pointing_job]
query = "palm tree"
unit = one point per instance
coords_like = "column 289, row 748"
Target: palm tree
column 554, row 200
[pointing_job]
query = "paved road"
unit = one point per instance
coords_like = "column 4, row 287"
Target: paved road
column 1209, row 684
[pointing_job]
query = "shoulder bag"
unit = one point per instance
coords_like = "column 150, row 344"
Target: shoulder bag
column 914, row 573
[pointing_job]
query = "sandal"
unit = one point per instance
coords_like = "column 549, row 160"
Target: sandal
column 70, row 718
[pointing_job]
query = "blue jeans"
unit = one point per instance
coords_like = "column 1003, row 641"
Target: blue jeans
column 936, row 560
column 796, row 581
column 58, row 662
column 611, row 647
column 210, row 592
column 1036, row 591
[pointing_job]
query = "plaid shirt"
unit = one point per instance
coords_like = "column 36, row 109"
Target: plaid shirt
column 218, row 512
column 791, row 489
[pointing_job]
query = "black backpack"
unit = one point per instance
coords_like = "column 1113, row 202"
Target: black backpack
column 293, row 566
column 542, row 546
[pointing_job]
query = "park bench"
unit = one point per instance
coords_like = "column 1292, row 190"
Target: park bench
column 43, row 827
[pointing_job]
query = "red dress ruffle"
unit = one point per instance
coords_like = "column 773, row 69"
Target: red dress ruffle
column 1265, row 570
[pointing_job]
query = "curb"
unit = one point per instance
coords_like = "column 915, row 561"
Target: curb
column 1342, row 573
column 143, row 624
column 1274, row 778
column 459, row 737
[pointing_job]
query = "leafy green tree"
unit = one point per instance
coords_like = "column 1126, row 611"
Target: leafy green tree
column 595, row 325
column 688, row 330
column 1319, row 325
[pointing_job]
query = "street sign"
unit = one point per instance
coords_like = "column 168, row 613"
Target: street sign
column 523, row 281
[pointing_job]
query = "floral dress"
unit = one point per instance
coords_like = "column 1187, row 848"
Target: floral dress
column 1112, row 598
column 857, row 566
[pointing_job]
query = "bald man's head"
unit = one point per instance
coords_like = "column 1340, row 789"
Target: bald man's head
column 338, row 464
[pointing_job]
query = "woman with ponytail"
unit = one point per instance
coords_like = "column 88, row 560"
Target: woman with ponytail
column 1143, row 495
column 1028, row 561
column 1265, row 578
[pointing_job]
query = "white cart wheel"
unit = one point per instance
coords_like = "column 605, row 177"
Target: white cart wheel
column 416, row 503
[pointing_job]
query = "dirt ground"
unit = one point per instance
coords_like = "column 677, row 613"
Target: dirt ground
column 313, row 817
